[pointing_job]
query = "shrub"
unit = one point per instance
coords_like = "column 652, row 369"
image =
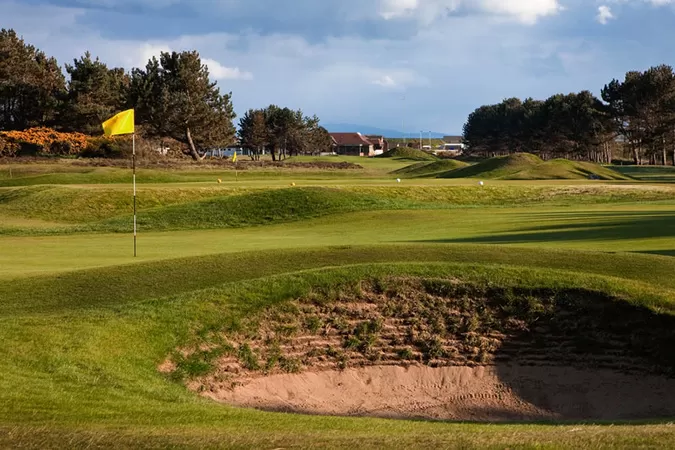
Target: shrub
column 46, row 141
column 8, row 148
column 107, row 147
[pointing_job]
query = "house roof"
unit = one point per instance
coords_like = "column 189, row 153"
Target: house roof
column 347, row 139
column 452, row 139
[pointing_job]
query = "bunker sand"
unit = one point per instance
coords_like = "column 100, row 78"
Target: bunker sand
column 492, row 394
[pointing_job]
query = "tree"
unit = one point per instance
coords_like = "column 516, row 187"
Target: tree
column 642, row 107
column 318, row 138
column 95, row 93
column 573, row 125
column 30, row 84
column 175, row 98
column 253, row 132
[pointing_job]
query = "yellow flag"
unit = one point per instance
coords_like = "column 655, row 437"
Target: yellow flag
column 234, row 157
column 121, row 123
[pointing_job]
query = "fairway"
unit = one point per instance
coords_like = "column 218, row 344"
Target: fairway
column 101, row 349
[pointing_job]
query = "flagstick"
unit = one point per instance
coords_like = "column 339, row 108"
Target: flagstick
column 133, row 163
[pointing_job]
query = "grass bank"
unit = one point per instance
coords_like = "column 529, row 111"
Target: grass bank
column 85, row 371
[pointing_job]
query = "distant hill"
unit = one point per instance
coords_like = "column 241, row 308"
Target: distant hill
column 364, row 129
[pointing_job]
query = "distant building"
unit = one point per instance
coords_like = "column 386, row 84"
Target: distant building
column 452, row 145
column 380, row 143
column 352, row 144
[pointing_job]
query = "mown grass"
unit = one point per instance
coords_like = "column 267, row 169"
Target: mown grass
column 610, row 228
column 113, row 286
column 86, row 373
column 657, row 174
column 84, row 325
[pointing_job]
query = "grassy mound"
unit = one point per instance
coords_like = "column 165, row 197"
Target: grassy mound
column 257, row 208
column 79, row 205
column 429, row 169
column 525, row 166
column 563, row 169
column 495, row 168
column 47, row 210
column 408, row 153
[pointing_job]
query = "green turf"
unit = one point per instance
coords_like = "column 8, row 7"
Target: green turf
column 563, row 169
column 90, row 372
column 429, row 169
column 408, row 153
column 648, row 173
column 52, row 208
column 526, row 166
column 495, row 168
column 84, row 324
column 629, row 228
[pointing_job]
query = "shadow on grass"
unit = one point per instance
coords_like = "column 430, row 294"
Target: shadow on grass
column 606, row 226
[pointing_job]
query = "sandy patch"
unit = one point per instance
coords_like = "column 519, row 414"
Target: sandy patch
column 461, row 393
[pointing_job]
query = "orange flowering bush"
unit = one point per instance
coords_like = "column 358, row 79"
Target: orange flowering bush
column 46, row 141
column 8, row 148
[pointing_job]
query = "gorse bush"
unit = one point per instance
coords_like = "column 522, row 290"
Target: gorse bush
column 49, row 142
column 45, row 141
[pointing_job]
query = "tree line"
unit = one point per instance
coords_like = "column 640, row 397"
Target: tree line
column 636, row 115
column 173, row 97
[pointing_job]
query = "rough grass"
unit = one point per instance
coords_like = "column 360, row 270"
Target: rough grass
column 525, row 166
column 408, row 153
column 430, row 169
column 562, row 169
column 174, row 208
column 495, row 168
column 88, row 376
column 81, row 205
column 258, row 208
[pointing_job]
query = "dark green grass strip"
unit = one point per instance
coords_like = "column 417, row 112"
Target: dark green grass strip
column 120, row 285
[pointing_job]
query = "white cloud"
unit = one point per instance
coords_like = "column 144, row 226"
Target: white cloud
column 394, row 79
column 385, row 81
column 391, row 9
column 220, row 72
column 604, row 14
column 524, row 11
column 443, row 71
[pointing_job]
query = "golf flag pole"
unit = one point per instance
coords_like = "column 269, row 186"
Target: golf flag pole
column 234, row 160
column 133, row 165
column 123, row 123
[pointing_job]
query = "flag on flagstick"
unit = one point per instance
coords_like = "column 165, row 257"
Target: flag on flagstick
column 123, row 123
column 234, row 157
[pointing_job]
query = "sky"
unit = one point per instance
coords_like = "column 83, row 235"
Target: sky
column 397, row 64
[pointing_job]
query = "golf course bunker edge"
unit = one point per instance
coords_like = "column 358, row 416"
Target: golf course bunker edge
column 435, row 348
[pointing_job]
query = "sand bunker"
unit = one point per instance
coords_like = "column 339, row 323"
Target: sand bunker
column 461, row 393
column 439, row 349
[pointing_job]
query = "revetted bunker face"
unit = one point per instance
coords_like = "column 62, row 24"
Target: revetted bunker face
column 437, row 348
